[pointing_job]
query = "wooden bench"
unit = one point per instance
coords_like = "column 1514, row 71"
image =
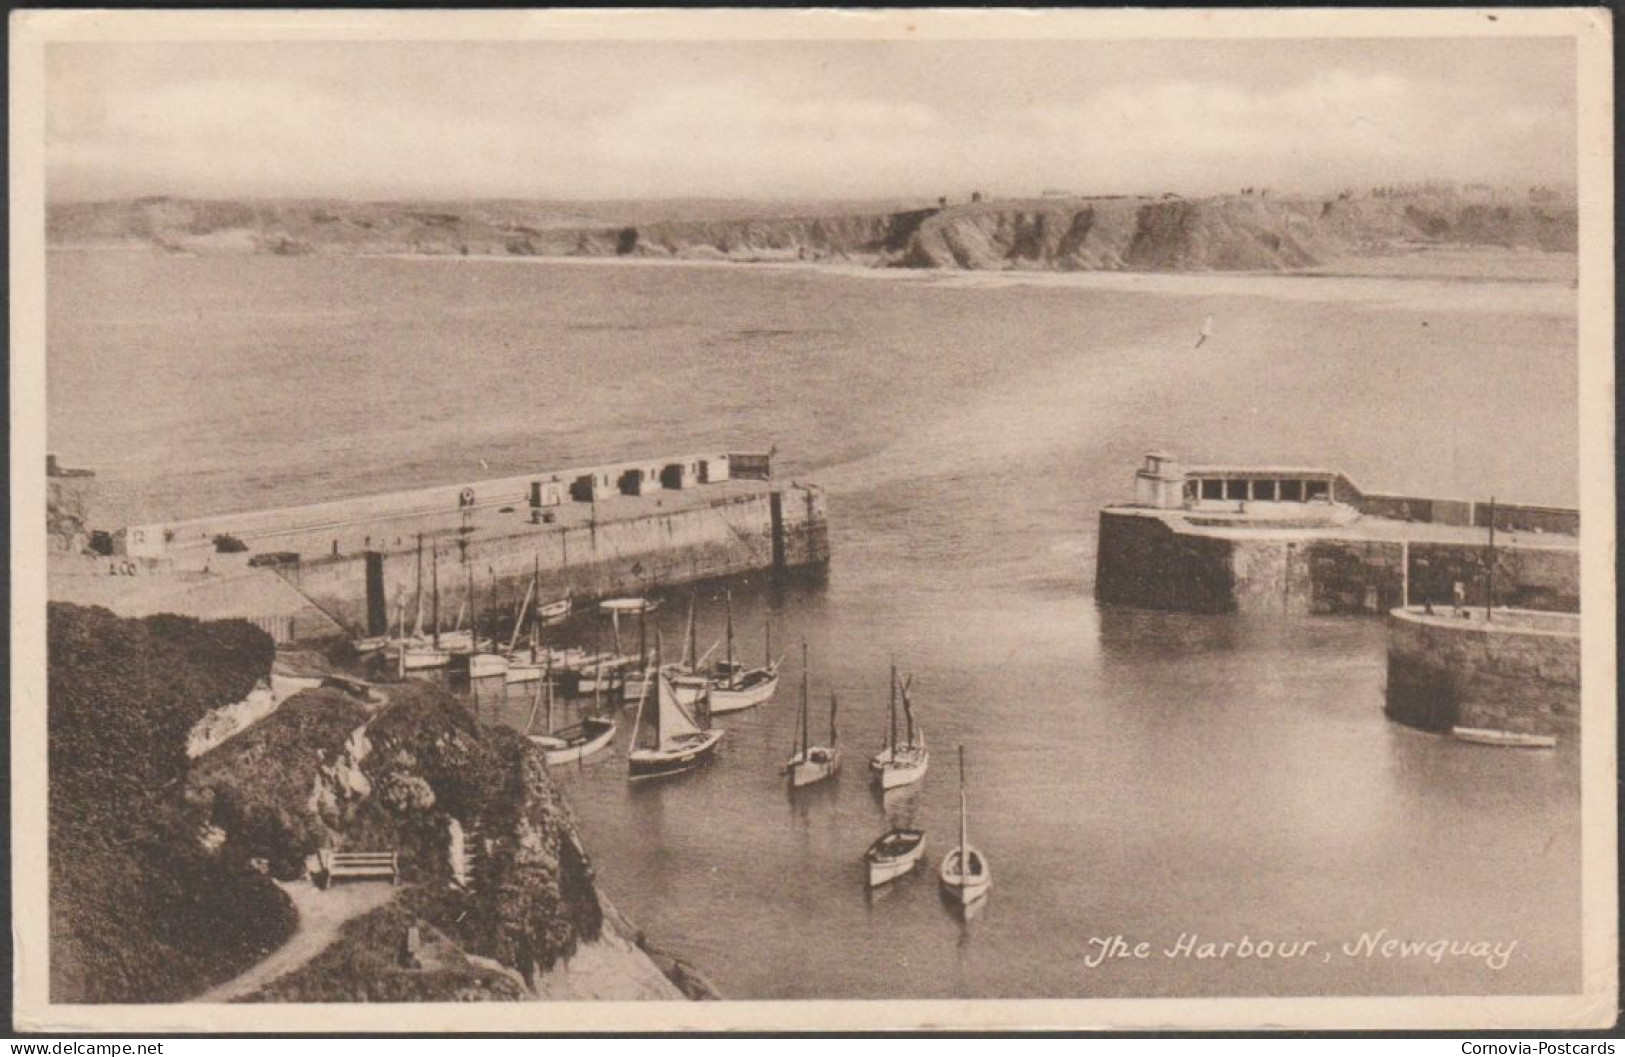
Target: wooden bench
column 359, row 864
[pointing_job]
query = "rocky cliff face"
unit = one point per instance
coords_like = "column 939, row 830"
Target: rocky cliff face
column 1232, row 233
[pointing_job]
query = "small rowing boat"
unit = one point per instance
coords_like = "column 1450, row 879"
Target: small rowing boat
column 893, row 854
column 1509, row 739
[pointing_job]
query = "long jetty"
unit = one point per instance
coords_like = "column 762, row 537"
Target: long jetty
column 353, row 564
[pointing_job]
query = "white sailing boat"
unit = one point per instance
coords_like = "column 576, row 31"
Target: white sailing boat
column 572, row 744
column 526, row 666
column 419, row 653
column 966, row 875
column 732, row 687
column 691, row 687
column 900, row 763
column 811, row 763
column 679, row 743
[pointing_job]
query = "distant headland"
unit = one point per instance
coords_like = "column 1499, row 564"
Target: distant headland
column 1251, row 230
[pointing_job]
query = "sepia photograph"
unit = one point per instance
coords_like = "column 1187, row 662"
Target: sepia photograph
column 823, row 520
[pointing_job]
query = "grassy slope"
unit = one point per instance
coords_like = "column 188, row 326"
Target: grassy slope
column 139, row 910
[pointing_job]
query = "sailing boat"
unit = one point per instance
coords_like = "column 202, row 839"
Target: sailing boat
column 418, row 654
column 966, row 876
column 691, row 688
column 527, row 665
column 900, row 763
column 483, row 661
column 734, row 689
column 679, row 743
column 812, row 763
column 572, row 743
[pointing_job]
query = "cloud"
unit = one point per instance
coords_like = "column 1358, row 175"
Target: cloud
column 699, row 125
column 1353, row 127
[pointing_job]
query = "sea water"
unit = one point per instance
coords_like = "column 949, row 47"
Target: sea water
column 1146, row 786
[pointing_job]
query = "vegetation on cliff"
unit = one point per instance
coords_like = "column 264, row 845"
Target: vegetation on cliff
column 259, row 788
column 453, row 798
column 140, row 909
column 365, row 965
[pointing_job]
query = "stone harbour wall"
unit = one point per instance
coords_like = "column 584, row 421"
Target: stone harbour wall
column 1519, row 672
column 783, row 529
column 1145, row 561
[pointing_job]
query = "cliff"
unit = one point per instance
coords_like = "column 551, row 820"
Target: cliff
column 172, row 876
column 498, row 874
column 141, row 909
column 1228, row 233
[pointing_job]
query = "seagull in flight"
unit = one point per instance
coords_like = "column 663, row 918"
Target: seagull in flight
column 1207, row 331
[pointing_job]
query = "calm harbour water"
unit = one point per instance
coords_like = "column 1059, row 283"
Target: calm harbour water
column 1138, row 773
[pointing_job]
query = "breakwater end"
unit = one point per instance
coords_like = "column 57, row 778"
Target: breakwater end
column 1512, row 671
column 1301, row 540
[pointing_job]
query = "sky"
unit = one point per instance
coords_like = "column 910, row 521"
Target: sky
column 594, row 120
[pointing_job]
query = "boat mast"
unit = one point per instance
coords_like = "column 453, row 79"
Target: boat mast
column 597, row 650
column 659, row 677
column 908, row 711
column 536, row 614
column 434, row 616
column 891, row 710
column 964, row 838
column 637, row 721
column 519, row 621
column 802, row 752
column 547, row 685
column 643, row 640
column 832, row 719
column 693, row 650
column 732, row 680
column 418, row 631
column 473, row 607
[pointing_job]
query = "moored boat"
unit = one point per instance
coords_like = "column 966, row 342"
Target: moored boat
column 679, row 743
column 1510, row 739
column 487, row 665
column 893, row 854
column 966, row 876
column 570, row 744
column 421, row 656
column 904, row 762
column 733, row 688
column 811, row 763
column 576, row 743
column 551, row 613
column 628, row 606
